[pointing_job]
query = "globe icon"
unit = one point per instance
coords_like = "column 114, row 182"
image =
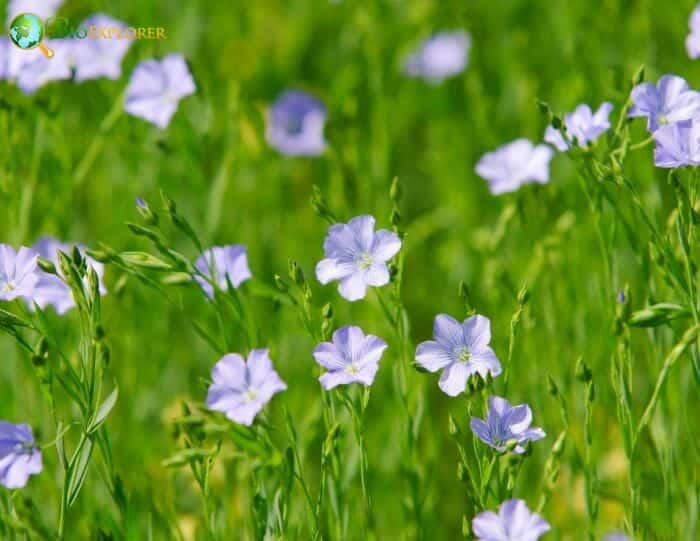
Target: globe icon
column 26, row 31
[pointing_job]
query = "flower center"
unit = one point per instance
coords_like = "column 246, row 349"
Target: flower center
column 352, row 369
column 24, row 448
column 8, row 286
column 462, row 353
column 250, row 395
column 365, row 261
column 662, row 119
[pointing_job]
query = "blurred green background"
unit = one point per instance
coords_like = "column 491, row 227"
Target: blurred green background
column 214, row 162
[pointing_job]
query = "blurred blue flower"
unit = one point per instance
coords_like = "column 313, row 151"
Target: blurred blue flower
column 439, row 57
column 671, row 100
column 357, row 256
column 514, row 522
column 505, row 423
column 677, row 144
column 295, row 124
column 461, row 350
column 227, row 263
column 50, row 290
column 19, row 455
column 510, row 166
column 19, row 272
column 99, row 57
column 41, row 8
column 156, row 88
column 692, row 42
column 35, row 70
column 615, row 536
column 352, row 357
column 582, row 125
column 240, row 389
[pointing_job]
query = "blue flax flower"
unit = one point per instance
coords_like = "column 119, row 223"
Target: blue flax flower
column 156, row 88
column 460, row 350
column 505, row 423
column 227, row 263
column 439, row 57
column 582, row 125
column 19, row 272
column 43, row 9
column 19, row 455
column 669, row 101
column 678, row 144
column 100, row 56
column 240, row 389
column 352, row 357
column 692, row 42
column 510, row 166
column 295, row 124
column 513, row 522
column 51, row 290
column 357, row 256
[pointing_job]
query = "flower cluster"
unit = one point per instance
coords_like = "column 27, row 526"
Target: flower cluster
column 672, row 112
column 154, row 90
column 21, row 276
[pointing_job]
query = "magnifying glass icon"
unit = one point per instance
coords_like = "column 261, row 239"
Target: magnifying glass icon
column 27, row 32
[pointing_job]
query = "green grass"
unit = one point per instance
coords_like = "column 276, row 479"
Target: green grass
column 213, row 161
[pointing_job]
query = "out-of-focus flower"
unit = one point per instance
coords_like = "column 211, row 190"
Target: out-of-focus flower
column 240, row 389
column 357, row 256
column 35, row 70
column 41, row 8
column 50, row 290
column 97, row 57
column 352, row 357
column 505, row 423
column 460, row 350
column 615, row 536
column 223, row 264
column 582, row 125
column 692, row 42
column 677, row 144
column 295, row 124
column 156, row 88
column 669, row 101
column 19, row 455
column 440, row 56
column 19, row 272
column 509, row 167
column 514, row 522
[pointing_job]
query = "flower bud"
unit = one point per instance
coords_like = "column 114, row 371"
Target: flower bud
column 395, row 218
column 523, row 295
column 395, row 192
column 552, row 386
column 452, row 427
column 556, row 122
column 582, row 372
column 462, row 473
column 466, row 527
column 558, row 447
column 281, row 284
column 638, row 76
column 327, row 311
column 46, row 265
column 295, row 273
